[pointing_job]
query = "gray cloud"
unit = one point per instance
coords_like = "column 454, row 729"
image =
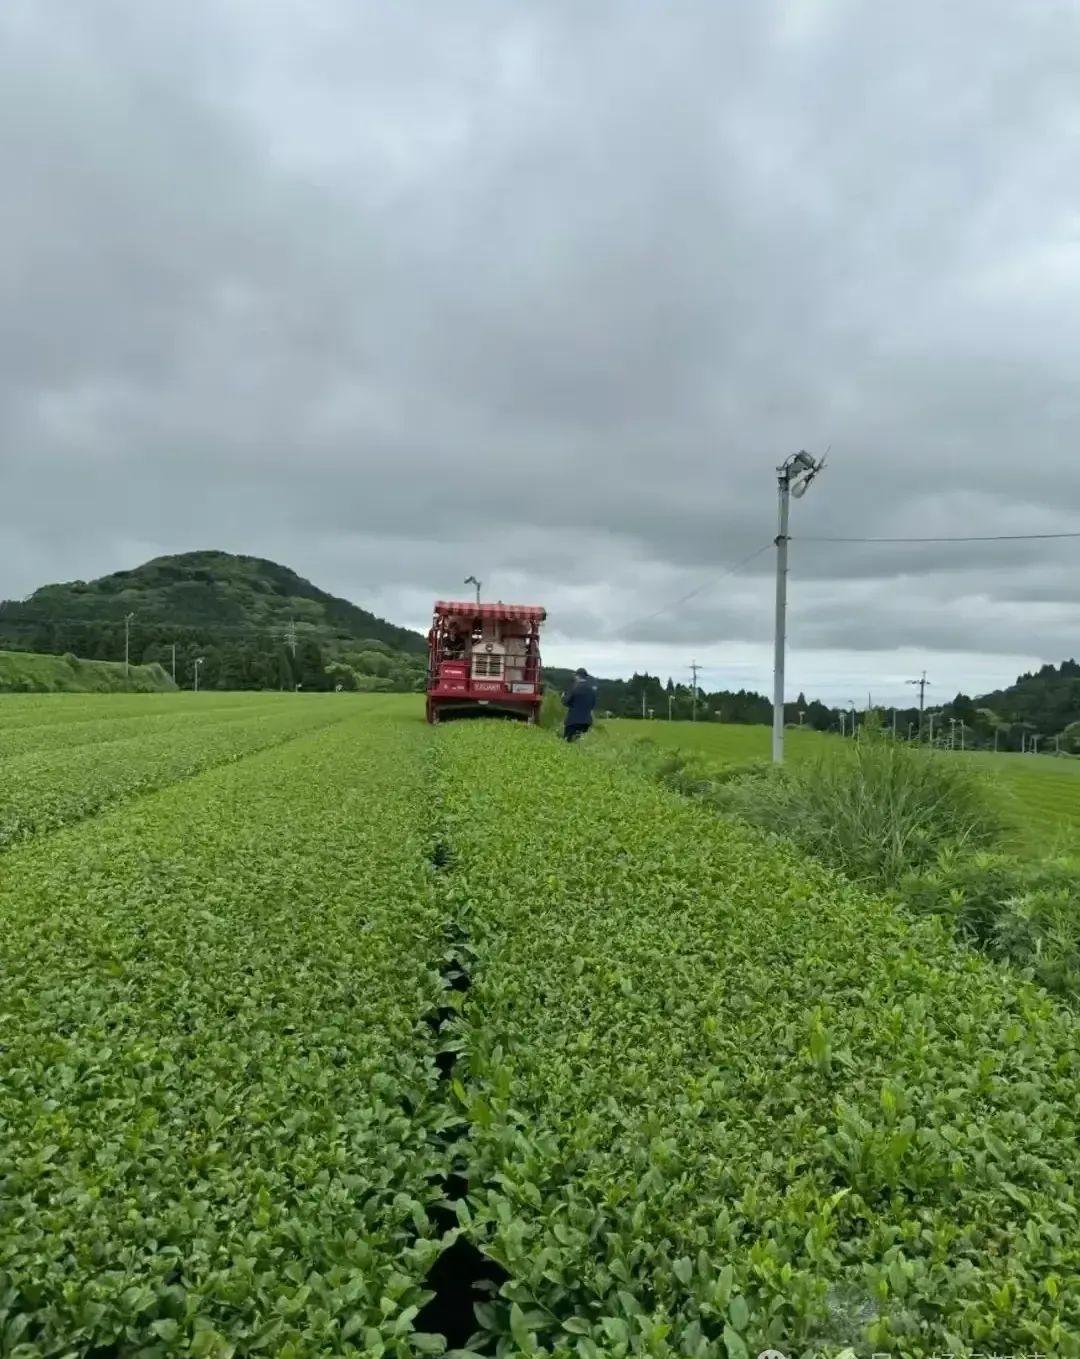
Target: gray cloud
column 394, row 294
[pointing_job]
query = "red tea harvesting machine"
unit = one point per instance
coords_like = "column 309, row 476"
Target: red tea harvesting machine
column 484, row 659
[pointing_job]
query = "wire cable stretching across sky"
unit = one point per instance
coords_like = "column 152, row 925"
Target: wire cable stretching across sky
column 952, row 538
column 813, row 538
column 690, row 594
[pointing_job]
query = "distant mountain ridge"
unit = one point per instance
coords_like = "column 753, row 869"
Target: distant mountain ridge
column 209, row 592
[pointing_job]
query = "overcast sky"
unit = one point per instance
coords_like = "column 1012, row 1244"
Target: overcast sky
column 394, row 293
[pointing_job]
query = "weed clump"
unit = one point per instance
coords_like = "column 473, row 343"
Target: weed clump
column 1027, row 914
column 876, row 808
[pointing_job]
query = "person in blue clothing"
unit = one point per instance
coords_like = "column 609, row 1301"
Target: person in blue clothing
column 579, row 702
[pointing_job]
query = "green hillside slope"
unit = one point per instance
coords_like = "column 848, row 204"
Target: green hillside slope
column 211, row 592
column 245, row 622
column 27, row 672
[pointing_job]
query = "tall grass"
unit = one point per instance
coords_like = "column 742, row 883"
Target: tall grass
column 875, row 808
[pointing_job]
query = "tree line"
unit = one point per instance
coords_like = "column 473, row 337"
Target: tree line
column 230, row 658
column 1041, row 711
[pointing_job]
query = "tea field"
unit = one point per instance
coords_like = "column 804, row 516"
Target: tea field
column 1040, row 794
column 326, row 1033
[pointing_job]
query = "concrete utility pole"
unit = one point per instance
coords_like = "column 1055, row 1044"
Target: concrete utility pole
column 851, row 705
column 931, row 718
column 952, row 733
column 843, row 721
column 670, row 701
column 290, row 637
column 922, row 683
column 198, row 665
column 471, row 580
column 642, row 700
column 997, row 733
column 174, row 662
column 1035, row 744
column 802, row 714
column 910, row 729
column 694, row 668
column 962, row 746
column 794, row 476
column 894, row 724
column 127, row 643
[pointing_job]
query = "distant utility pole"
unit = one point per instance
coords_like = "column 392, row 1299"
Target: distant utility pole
column 642, row 700
column 127, row 643
column 894, row 724
column 794, row 476
column 694, row 668
column 198, row 665
column 922, row 683
column 1035, row 743
column 174, row 662
column 471, row 580
column 997, row 733
column 910, row 729
column 952, row 733
column 931, row 717
column 290, row 637
column 851, row 705
column 962, row 746
column 670, row 701
column 802, row 714
column 843, row 722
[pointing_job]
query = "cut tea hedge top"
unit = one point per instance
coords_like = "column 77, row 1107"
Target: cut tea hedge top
column 721, row 1101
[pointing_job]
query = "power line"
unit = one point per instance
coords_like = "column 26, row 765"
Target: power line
column 691, row 594
column 965, row 538
column 201, row 630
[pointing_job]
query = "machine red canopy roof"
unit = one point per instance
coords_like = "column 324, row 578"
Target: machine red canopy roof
column 502, row 613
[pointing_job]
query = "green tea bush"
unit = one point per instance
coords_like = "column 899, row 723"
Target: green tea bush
column 54, row 776
column 722, row 1100
column 902, row 818
column 219, row 1124
column 1025, row 913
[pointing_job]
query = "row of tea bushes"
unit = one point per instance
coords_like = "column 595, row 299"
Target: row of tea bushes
column 721, row 1100
column 219, row 1111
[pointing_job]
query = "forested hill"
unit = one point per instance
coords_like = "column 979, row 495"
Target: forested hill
column 242, row 622
column 1047, row 699
column 215, row 594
